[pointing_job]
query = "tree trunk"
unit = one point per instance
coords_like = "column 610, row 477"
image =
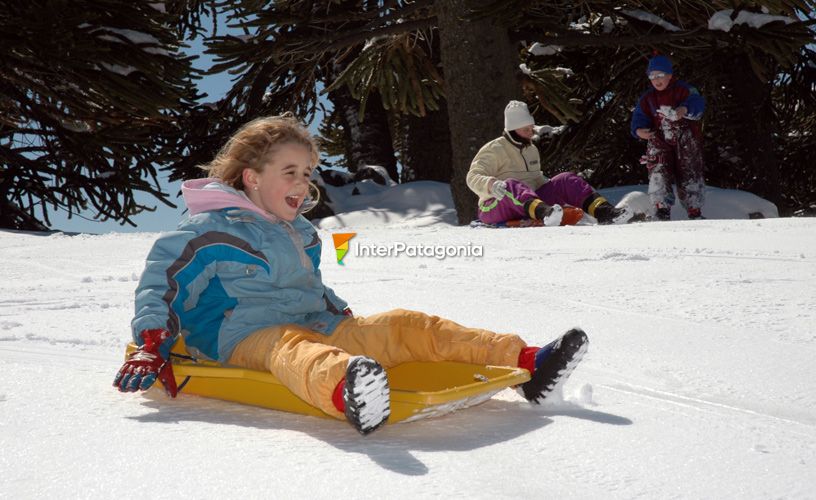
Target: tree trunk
column 426, row 147
column 757, row 143
column 480, row 64
column 368, row 141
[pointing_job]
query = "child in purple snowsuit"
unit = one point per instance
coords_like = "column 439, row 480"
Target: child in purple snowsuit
column 668, row 117
column 506, row 175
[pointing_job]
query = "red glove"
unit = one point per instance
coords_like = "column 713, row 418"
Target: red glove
column 143, row 366
column 347, row 312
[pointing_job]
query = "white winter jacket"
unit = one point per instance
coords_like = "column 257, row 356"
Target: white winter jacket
column 504, row 158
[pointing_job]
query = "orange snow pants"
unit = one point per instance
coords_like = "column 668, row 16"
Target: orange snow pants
column 311, row 364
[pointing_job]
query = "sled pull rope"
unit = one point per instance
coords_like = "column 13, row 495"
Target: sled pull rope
column 181, row 385
column 184, row 356
column 188, row 358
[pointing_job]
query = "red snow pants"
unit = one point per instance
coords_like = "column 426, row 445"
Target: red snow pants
column 674, row 157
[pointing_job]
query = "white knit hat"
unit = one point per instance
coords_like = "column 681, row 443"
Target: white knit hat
column 516, row 116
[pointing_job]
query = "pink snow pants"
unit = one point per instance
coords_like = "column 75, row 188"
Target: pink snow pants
column 565, row 188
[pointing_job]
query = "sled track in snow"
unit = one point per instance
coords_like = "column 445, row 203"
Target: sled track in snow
column 56, row 353
column 622, row 255
column 699, row 404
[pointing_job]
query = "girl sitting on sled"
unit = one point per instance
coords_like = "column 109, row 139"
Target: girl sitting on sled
column 240, row 281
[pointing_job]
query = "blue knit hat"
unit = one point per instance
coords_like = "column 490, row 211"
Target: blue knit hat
column 659, row 63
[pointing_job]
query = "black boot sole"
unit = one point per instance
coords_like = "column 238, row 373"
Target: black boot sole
column 367, row 396
column 557, row 367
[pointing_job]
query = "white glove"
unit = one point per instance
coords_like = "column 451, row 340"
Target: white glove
column 669, row 112
column 498, row 189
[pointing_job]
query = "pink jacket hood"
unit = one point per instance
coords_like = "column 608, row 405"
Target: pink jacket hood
column 202, row 195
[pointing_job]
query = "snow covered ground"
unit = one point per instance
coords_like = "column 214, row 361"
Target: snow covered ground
column 700, row 379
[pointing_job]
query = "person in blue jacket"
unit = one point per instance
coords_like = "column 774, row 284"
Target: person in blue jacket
column 240, row 281
column 668, row 117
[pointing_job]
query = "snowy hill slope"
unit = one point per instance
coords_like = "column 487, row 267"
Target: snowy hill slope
column 699, row 381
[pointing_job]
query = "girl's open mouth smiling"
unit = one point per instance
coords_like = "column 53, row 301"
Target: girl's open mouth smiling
column 293, row 201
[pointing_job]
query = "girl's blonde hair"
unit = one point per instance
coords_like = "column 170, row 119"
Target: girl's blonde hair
column 252, row 144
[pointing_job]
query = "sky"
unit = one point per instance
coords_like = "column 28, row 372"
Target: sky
column 698, row 381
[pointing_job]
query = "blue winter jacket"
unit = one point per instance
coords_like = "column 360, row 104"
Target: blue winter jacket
column 677, row 93
column 230, row 270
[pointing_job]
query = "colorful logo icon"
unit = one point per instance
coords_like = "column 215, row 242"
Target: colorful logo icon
column 341, row 245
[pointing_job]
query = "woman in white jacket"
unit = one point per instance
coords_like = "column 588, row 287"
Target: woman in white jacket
column 506, row 175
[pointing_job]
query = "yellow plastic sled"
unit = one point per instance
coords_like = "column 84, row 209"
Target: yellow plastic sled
column 418, row 389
